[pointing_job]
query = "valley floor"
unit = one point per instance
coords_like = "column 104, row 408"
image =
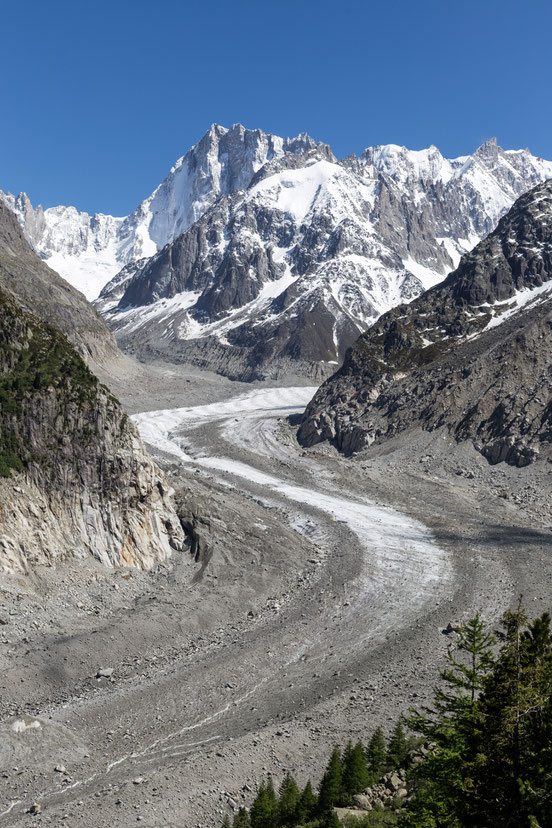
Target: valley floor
column 313, row 613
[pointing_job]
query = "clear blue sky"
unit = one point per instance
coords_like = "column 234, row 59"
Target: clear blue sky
column 100, row 98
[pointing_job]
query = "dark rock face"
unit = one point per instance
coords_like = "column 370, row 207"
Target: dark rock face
column 472, row 354
column 40, row 290
column 281, row 275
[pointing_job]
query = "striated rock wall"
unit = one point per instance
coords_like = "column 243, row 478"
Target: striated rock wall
column 75, row 478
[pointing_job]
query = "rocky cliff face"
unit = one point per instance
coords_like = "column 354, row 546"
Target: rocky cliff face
column 471, row 355
column 43, row 292
column 74, row 475
column 282, row 276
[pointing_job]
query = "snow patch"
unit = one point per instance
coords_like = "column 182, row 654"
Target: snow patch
column 522, row 299
column 427, row 277
column 20, row 725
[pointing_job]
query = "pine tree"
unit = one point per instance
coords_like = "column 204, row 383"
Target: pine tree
column 355, row 772
column 493, row 732
column 345, row 761
column 241, row 820
column 456, row 728
column 376, row 754
column 397, row 747
column 307, row 805
column 226, row 822
column 264, row 811
column 331, row 786
column 516, row 781
column 288, row 801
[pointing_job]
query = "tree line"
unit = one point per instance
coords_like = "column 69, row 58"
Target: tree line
column 491, row 761
column 348, row 772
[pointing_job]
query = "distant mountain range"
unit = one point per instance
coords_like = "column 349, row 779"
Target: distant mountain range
column 471, row 355
column 260, row 256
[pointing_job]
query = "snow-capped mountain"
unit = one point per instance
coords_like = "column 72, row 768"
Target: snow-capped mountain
column 283, row 275
column 89, row 250
column 260, row 256
column 472, row 355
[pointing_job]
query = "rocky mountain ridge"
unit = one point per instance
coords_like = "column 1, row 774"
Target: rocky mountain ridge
column 471, row 354
column 89, row 250
column 280, row 278
column 262, row 257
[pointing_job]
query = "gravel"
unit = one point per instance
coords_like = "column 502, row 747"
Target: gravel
column 262, row 653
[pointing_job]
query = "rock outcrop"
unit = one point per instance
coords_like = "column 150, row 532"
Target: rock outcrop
column 75, row 479
column 472, row 355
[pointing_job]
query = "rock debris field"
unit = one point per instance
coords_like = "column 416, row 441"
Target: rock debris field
column 308, row 610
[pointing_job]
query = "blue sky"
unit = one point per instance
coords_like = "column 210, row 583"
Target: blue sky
column 100, row 98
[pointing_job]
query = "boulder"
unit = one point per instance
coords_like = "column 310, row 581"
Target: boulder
column 394, row 782
column 363, row 801
column 341, row 813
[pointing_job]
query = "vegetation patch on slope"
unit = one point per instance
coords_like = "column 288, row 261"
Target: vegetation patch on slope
column 34, row 358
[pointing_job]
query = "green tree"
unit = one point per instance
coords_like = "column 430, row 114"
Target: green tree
column 355, row 771
column 376, row 754
column 241, row 820
column 288, row 801
column 493, row 731
column 331, row 786
column 264, row 811
column 226, row 822
column 455, row 727
column 397, row 747
column 516, row 705
column 307, row 804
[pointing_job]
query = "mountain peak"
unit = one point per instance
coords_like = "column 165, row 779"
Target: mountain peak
column 471, row 355
column 489, row 149
column 90, row 250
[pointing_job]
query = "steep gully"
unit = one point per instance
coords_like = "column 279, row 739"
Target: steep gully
column 378, row 576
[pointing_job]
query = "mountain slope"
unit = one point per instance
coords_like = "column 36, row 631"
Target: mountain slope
column 280, row 278
column 74, row 476
column 472, row 354
column 88, row 251
column 42, row 291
